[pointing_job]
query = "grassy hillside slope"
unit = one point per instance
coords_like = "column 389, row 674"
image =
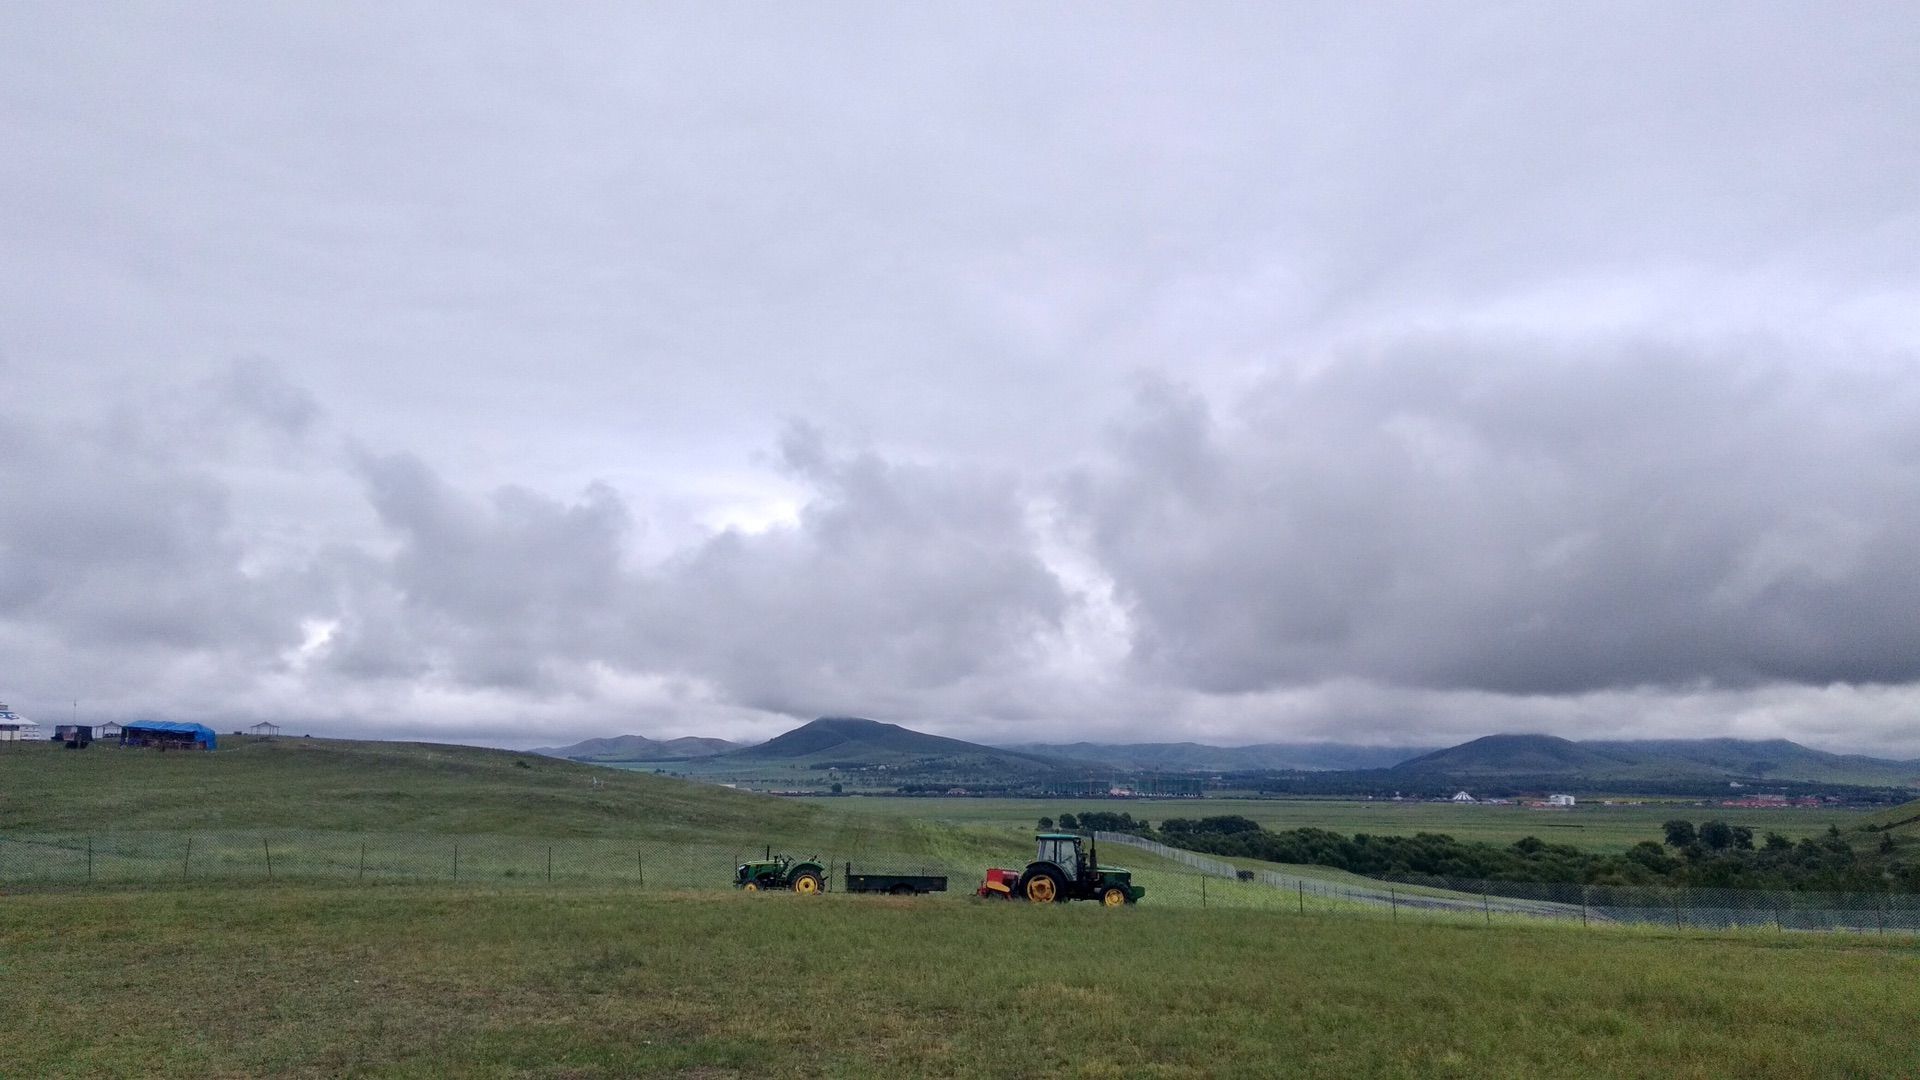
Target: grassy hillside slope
column 444, row 982
column 351, row 785
column 423, row 788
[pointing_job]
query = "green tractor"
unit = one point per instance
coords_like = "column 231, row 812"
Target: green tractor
column 1062, row 871
column 804, row 876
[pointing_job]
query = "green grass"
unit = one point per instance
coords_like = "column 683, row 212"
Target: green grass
column 446, row 982
column 1589, row 826
column 112, row 816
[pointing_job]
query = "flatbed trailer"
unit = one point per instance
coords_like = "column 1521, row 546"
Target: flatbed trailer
column 894, row 884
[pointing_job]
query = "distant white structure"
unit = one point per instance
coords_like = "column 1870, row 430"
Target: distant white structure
column 1462, row 797
column 1559, row 800
column 14, row 727
column 265, row 729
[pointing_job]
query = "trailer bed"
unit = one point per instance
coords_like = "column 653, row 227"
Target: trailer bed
column 894, row 884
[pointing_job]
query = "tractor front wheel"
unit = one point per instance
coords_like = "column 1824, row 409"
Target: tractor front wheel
column 1042, row 887
column 749, row 887
column 807, row 883
column 1114, row 897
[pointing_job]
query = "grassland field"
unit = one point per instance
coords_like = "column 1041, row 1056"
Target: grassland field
column 1590, row 826
column 314, row 973
column 583, row 983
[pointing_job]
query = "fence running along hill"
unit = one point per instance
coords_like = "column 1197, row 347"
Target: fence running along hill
column 131, row 859
column 1586, row 904
column 1173, row 876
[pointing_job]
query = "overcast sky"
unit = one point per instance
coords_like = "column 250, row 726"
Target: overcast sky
column 1383, row 374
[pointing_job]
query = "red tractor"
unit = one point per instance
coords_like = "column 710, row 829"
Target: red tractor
column 1061, row 871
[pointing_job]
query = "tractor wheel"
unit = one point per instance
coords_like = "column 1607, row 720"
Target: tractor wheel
column 807, row 883
column 1043, row 886
column 749, row 887
column 1114, row 897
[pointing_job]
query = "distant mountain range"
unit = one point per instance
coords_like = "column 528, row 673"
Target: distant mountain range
column 1505, row 756
column 854, row 743
column 640, row 748
column 1200, row 757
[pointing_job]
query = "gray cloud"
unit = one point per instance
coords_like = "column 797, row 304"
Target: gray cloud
column 1508, row 367
column 1515, row 518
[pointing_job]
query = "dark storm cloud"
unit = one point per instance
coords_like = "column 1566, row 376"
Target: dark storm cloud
column 1527, row 518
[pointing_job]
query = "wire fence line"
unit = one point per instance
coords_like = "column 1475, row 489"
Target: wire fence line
column 1590, row 905
column 1173, row 876
column 42, row 861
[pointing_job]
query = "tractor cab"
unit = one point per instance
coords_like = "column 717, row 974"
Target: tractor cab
column 1062, row 850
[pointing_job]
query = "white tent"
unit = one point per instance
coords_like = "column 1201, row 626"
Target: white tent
column 14, row 727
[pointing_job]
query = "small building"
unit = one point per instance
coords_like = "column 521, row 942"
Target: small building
column 73, row 736
column 16, row 728
column 168, row 735
column 1560, row 800
column 1462, row 797
column 265, row 729
column 108, row 730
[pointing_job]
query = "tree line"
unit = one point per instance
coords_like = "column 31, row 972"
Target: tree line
column 1712, row 854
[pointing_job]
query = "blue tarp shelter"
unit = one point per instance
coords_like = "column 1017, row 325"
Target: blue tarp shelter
column 136, row 731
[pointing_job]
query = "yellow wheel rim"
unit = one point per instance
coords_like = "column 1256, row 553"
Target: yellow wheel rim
column 1040, row 890
column 1114, row 898
column 807, row 885
column 750, row 887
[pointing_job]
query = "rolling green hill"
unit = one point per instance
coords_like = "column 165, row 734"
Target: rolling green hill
column 354, row 785
column 419, row 788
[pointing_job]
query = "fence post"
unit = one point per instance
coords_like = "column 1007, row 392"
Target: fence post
column 362, row 875
column 1393, row 902
column 1883, row 913
column 1486, row 906
column 456, row 861
column 1583, row 905
column 549, row 864
column 640, row 864
column 89, row 860
column 1203, row 892
column 186, row 863
column 264, row 846
column 1301, row 887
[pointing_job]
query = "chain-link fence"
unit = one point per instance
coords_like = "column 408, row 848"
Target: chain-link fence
column 1173, row 877
column 1589, row 905
column 135, row 859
